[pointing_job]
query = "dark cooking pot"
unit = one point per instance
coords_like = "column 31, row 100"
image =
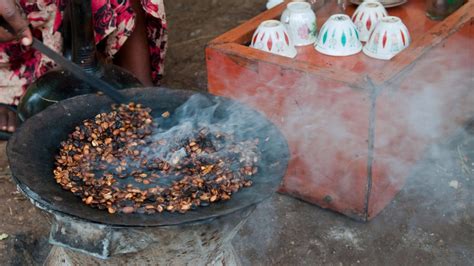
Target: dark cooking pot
column 32, row 148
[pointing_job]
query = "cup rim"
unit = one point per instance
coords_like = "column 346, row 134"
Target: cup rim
column 293, row 6
column 335, row 52
column 272, row 23
column 340, row 18
column 390, row 19
column 381, row 56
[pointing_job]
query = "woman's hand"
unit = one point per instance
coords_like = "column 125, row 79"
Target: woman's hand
column 12, row 13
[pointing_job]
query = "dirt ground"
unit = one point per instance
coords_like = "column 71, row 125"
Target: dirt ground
column 192, row 25
column 431, row 222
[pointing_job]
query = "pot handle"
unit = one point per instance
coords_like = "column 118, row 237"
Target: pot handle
column 4, row 135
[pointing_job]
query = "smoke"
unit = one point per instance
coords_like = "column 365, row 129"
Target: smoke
column 221, row 131
column 211, row 116
column 431, row 102
column 328, row 126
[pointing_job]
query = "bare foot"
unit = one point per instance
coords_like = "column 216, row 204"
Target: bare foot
column 8, row 120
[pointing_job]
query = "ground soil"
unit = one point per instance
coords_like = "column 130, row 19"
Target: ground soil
column 431, row 222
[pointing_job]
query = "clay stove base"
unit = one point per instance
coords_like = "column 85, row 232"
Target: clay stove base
column 202, row 243
column 63, row 257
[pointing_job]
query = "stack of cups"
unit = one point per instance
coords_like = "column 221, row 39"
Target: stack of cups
column 385, row 36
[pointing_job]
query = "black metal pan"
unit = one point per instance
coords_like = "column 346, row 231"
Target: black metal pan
column 32, row 148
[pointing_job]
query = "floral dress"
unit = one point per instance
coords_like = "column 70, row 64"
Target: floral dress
column 114, row 21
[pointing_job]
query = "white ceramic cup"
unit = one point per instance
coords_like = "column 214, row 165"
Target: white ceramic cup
column 271, row 36
column 338, row 37
column 273, row 3
column 366, row 17
column 389, row 37
column 284, row 15
column 300, row 21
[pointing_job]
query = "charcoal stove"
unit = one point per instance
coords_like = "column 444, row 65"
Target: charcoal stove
column 84, row 235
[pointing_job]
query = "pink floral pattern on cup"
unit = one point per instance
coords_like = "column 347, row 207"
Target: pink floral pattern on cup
column 300, row 21
column 303, row 32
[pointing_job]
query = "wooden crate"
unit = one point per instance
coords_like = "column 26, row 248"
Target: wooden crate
column 355, row 125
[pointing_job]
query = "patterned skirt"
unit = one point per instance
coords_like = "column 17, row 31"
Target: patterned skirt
column 114, row 21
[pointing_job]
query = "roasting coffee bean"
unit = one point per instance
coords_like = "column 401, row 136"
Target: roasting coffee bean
column 111, row 162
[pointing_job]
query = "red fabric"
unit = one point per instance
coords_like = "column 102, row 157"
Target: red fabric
column 114, row 21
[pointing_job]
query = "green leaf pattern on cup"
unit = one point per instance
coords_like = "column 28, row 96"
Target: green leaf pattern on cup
column 343, row 39
column 325, row 37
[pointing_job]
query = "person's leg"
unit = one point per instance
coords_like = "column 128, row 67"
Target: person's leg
column 134, row 55
column 8, row 120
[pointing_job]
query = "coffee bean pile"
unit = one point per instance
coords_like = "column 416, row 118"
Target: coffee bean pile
column 114, row 162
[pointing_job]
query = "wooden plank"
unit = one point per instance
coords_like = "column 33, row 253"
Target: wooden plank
column 423, row 44
column 351, row 79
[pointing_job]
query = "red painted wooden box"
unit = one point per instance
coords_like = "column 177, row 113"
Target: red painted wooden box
column 355, row 125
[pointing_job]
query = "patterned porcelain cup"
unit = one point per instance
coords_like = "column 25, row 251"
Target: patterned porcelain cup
column 338, row 37
column 389, row 37
column 286, row 12
column 271, row 36
column 366, row 17
column 300, row 21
